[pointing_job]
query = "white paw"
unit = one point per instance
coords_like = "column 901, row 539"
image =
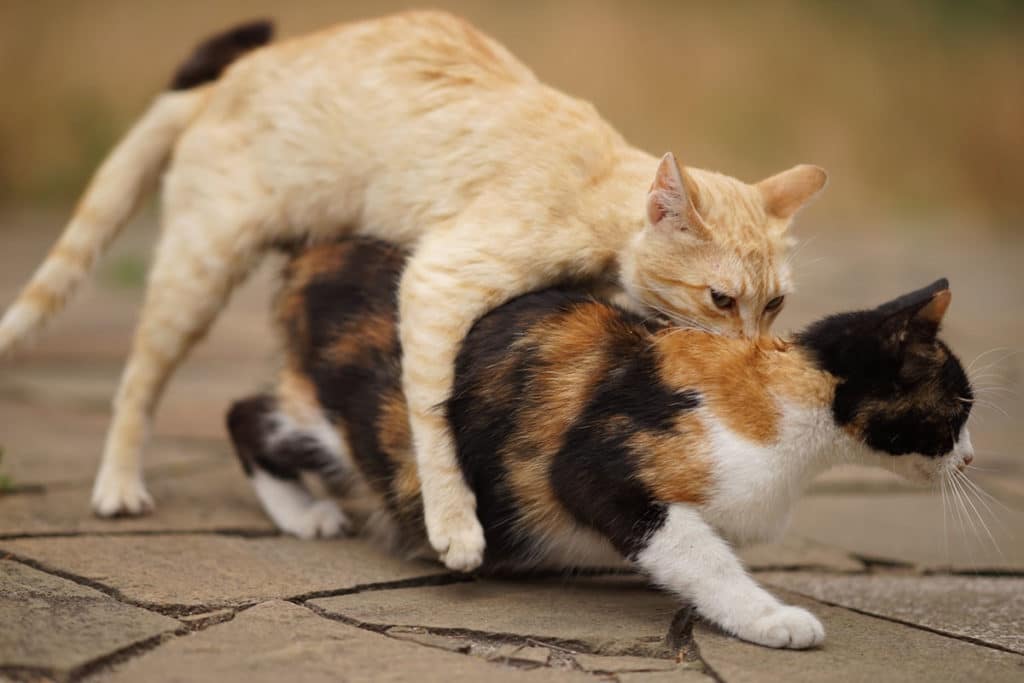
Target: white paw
column 116, row 493
column 459, row 540
column 322, row 519
column 785, row 626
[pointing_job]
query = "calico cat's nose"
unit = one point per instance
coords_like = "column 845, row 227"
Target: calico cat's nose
column 963, row 451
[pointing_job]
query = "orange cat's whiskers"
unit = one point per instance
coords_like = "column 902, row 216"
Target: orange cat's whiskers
column 791, row 257
column 677, row 318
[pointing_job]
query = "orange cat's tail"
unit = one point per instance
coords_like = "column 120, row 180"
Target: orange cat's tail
column 122, row 181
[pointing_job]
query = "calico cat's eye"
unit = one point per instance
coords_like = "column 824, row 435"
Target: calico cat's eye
column 723, row 301
column 775, row 304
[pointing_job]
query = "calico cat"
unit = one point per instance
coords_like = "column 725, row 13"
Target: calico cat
column 589, row 433
column 422, row 131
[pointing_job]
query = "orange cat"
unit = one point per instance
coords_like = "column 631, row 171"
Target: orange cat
column 419, row 130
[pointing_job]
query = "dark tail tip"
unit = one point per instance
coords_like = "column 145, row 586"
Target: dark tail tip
column 208, row 61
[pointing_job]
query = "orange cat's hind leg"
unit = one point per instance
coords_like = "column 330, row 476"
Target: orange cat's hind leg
column 197, row 264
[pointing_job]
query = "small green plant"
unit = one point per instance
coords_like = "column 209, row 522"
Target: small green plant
column 5, row 481
column 126, row 272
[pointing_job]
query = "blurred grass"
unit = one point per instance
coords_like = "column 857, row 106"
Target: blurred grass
column 916, row 108
column 127, row 272
column 5, row 481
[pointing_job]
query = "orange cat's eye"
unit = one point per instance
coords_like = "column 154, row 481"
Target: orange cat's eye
column 723, row 301
column 775, row 304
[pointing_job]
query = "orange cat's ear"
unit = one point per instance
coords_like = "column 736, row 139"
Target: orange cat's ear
column 672, row 199
column 785, row 193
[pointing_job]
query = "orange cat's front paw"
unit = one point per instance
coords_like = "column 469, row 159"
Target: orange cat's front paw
column 116, row 493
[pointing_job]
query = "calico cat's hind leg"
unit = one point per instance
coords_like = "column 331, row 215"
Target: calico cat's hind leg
column 274, row 450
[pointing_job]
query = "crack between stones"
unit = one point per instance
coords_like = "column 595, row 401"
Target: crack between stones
column 237, row 532
column 881, row 563
column 920, row 627
column 172, row 610
column 415, row 582
column 112, row 659
column 565, row 646
column 986, row 573
column 136, row 649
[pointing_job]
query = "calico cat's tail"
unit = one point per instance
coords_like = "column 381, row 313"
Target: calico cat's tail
column 121, row 182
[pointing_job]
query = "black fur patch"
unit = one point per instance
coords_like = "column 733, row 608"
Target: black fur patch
column 483, row 428
column 594, row 472
column 352, row 393
column 208, row 61
column 900, row 385
column 250, row 424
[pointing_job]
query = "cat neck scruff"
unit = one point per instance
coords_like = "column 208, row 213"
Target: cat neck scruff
column 422, row 131
column 590, row 434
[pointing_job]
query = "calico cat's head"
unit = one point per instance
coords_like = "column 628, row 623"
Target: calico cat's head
column 901, row 391
column 713, row 251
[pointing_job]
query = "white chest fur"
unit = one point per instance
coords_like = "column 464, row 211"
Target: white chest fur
column 755, row 485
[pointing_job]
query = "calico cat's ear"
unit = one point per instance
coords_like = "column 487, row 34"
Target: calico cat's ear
column 919, row 312
column 672, row 201
column 786, row 193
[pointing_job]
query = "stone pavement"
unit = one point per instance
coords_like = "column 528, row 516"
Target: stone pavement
column 204, row 589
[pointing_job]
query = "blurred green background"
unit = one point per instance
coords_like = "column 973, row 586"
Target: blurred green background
column 916, row 108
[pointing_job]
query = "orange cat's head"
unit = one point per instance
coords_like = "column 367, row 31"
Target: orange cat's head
column 713, row 251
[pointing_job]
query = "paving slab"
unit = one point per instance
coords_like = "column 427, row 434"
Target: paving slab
column 194, row 405
column 53, row 624
column 680, row 676
column 604, row 664
column 213, row 498
column 912, row 528
column 1005, row 486
column 192, row 571
column 859, row 479
column 987, row 609
column 798, row 553
column 278, row 641
column 422, row 636
column 612, row 615
column 53, row 444
column 858, row 648
column 518, row 652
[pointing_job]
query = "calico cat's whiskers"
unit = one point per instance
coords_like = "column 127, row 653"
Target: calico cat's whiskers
column 983, row 494
column 1012, row 352
column 990, row 379
column 963, row 514
column 956, row 510
column 966, row 492
column 987, row 403
column 943, row 485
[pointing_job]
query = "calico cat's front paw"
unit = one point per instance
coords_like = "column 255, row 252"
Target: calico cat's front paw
column 458, row 539
column 322, row 519
column 785, row 626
